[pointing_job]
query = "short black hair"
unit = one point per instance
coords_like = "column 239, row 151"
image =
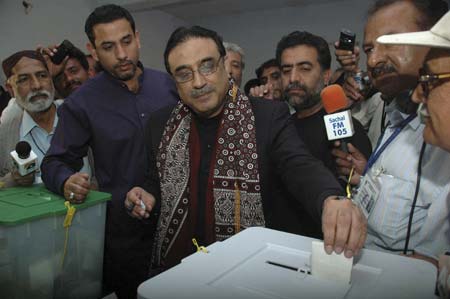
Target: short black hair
column 431, row 10
column 269, row 63
column 299, row 38
column 182, row 34
column 106, row 14
column 77, row 54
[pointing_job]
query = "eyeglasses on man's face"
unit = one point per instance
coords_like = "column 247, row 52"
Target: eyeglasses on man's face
column 429, row 81
column 206, row 67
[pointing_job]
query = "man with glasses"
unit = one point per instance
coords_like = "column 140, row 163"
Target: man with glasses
column 224, row 161
column 432, row 93
column 405, row 183
column 108, row 114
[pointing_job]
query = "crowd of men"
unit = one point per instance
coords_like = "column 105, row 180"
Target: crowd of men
column 187, row 154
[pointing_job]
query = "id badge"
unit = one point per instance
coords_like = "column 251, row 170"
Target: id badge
column 368, row 193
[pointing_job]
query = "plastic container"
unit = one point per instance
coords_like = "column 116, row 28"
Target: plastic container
column 32, row 239
column 263, row 263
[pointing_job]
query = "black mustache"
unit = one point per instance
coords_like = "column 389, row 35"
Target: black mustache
column 124, row 63
column 74, row 82
column 381, row 70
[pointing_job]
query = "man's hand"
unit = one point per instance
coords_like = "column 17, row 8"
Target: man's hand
column 347, row 59
column 77, row 187
column 261, row 91
column 23, row 181
column 346, row 161
column 139, row 203
column 54, row 69
column 344, row 227
column 351, row 89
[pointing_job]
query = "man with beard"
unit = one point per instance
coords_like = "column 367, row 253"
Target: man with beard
column 30, row 82
column 305, row 61
column 108, row 113
column 223, row 161
column 406, row 183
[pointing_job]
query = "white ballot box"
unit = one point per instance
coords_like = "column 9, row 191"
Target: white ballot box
column 264, row 263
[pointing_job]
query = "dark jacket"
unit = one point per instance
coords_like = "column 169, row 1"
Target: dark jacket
column 285, row 165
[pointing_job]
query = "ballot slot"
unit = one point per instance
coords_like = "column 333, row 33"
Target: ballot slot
column 306, row 271
column 254, row 275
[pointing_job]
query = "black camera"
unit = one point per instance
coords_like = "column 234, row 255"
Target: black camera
column 347, row 40
column 63, row 49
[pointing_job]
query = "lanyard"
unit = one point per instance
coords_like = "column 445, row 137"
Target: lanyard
column 380, row 148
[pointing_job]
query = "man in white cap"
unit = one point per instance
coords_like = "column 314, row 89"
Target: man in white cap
column 432, row 93
column 434, row 82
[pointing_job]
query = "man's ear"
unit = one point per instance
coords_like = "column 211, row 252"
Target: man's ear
column 326, row 77
column 138, row 39
column 92, row 50
column 9, row 88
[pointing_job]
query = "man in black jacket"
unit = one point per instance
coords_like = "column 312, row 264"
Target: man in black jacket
column 223, row 161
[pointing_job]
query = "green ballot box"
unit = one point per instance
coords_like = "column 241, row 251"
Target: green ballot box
column 44, row 253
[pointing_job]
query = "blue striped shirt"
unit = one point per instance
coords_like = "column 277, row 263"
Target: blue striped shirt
column 395, row 173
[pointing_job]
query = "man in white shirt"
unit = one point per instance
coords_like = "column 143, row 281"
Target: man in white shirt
column 31, row 84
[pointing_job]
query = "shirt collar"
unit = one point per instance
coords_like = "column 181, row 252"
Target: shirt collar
column 28, row 123
column 395, row 117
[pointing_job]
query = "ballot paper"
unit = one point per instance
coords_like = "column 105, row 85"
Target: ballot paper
column 335, row 267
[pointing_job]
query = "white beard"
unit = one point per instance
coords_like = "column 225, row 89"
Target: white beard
column 38, row 105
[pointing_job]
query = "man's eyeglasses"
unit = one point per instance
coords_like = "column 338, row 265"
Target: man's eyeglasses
column 206, row 68
column 429, row 81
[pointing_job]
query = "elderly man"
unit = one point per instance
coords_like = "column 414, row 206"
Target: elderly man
column 31, row 85
column 434, row 80
column 224, row 161
column 234, row 61
column 269, row 73
column 108, row 113
column 432, row 93
column 406, row 183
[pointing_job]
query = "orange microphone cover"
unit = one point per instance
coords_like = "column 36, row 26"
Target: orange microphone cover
column 334, row 98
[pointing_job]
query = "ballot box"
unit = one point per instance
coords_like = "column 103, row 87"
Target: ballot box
column 264, row 263
column 39, row 257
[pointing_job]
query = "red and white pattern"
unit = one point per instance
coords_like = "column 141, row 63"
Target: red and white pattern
column 235, row 172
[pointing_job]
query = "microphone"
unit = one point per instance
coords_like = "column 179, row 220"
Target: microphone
column 338, row 121
column 24, row 158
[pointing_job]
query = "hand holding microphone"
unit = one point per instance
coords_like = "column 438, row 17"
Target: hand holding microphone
column 25, row 164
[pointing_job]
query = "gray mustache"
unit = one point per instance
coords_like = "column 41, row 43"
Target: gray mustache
column 195, row 93
column 295, row 85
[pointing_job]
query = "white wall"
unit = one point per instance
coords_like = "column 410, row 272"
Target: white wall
column 155, row 28
column 259, row 32
column 51, row 21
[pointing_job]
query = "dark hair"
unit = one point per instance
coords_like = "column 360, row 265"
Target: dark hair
column 9, row 63
column 431, row 10
column 269, row 63
column 182, row 34
column 299, row 38
column 76, row 53
column 106, row 14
